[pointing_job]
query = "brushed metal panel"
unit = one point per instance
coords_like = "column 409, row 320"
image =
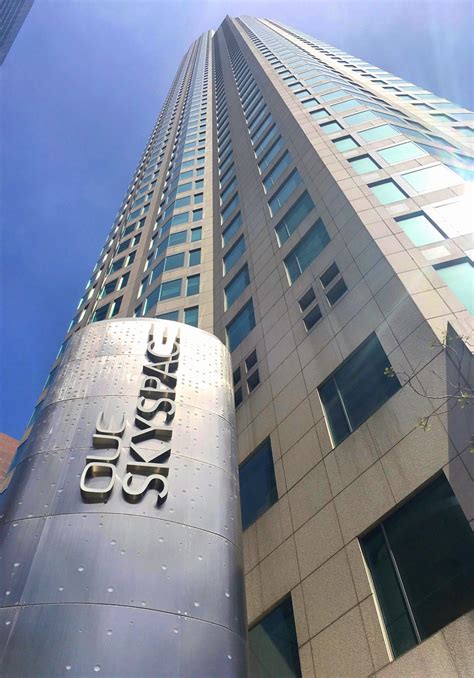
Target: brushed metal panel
column 179, row 559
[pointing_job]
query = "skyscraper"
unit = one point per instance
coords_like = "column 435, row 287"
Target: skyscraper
column 315, row 213
column 12, row 15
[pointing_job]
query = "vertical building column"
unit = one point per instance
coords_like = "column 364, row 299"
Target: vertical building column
column 120, row 538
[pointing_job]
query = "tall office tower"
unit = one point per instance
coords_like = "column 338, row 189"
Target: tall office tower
column 12, row 15
column 315, row 213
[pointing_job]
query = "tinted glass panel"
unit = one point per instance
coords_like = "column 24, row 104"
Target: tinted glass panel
column 401, row 153
column 293, row 218
column 431, row 178
column 273, row 647
column 234, row 254
column 432, row 546
column 284, row 192
column 376, row 133
column 240, row 325
column 236, row 286
column 232, row 229
column 419, row 229
column 345, row 144
column 257, row 484
column 306, row 251
column 363, row 164
column 387, row 192
column 459, row 277
column 357, row 388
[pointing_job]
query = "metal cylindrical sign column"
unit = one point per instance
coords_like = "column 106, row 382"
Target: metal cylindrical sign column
column 120, row 540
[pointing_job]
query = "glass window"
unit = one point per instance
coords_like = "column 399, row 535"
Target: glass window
column 230, row 207
column 198, row 198
column 257, row 484
column 273, row 646
column 191, row 316
column 271, row 154
column 194, row 257
column 231, row 229
column 234, row 254
column 240, row 325
column 279, row 168
column 387, row 192
column 310, row 103
column 338, row 94
column 306, row 251
column 331, row 127
column 108, row 288
column 336, row 292
column 421, row 559
column 192, row 285
column 174, row 261
column 182, row 202
column 329, row 275
column 100, row 313
column 420, row 229
column 283, row 193
column 177, row 238
column 179, row 219
column 401, row 153
column 170, row 289
column 431, row 178
column 363, row 164
column 345, row 144
column 293, row 218
column 307, row 299
column 345, row 105
column 380, row 132
column 357, row 389
column 312, row 317
column 172, row 315
column 357, row 118
column 319, row 114
column 197, row 215
column 236, row 286
column 196, row 234
column 459, row 277
column 253, row 381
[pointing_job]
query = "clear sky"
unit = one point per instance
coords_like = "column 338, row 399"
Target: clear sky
column 81, row 89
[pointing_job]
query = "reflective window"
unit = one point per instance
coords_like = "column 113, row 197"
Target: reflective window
column 363, row 164
column 345, row 144
column 336, row 291
column 283, row 193
column 271, row 154
column 197, row 215
column 357, row 389
column 174, row 261
column 401, row 153
column 331, row 127
column 459, row 277
column 387, row 192
column 312, row 317
column 172, row 315
column 236, row 286
column 234, row 254
column 170, row 289
column 306, row 251
column 240, row 326
column 279, row 168
column 420, row 229
column 357, row 118
column 293, row 218
column 273, row 646
column 232, row 229
column 319, row 114
column 257, row 484
column 345, row 105
column 380, row 132
column 177, row 238
column 230, row 207
column 431, row 178
column 192, row 285
column 191, row 316
column 421, row 559
column 196, row 234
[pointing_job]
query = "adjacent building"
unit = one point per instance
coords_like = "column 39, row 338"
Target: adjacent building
column 12, row 15
column 315, row 213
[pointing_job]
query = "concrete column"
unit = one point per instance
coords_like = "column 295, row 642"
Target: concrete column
column 120, row 539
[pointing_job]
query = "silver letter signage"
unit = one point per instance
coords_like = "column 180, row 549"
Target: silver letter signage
column 150, row 447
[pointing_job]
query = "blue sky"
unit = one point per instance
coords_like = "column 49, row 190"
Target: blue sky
column 81, row 89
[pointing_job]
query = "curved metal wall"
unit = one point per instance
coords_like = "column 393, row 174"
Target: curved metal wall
column 138, row 574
